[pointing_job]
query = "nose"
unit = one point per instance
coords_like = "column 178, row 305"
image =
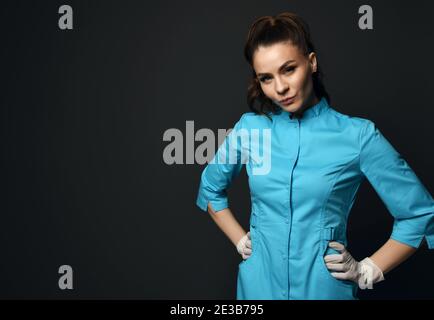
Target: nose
column 280, row 86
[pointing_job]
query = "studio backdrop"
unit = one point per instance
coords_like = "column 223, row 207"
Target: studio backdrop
column 105, row 107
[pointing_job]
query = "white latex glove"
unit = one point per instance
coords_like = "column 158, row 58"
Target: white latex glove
column 244, row 246
column 365, row 273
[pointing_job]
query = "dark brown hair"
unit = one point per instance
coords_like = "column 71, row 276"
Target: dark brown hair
column 269, row 30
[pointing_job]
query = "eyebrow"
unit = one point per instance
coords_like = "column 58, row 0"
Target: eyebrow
column 281, row 67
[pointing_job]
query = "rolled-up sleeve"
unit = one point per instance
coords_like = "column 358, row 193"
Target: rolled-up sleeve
column 218, row 174
column 402, row 192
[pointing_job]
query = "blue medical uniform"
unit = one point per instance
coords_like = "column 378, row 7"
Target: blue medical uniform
column 318, row 162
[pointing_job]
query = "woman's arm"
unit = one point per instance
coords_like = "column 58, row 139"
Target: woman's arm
column 391, row 254
column 226, row 221
column 404, row 195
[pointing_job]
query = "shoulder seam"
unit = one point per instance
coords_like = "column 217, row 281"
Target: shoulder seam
column 363, row 129
column 337, row 113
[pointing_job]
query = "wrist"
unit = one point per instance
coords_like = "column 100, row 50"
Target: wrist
column 241, row 244
column 369, row 273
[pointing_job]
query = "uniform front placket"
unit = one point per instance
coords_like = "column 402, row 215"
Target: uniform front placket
column 295, row 126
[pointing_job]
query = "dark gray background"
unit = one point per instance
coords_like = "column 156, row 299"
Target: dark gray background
column 83, row 114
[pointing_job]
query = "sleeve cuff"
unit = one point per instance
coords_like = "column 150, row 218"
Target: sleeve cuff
column 429, row 234
column 412, row 242
column 430, row 241
column 413, row 230
column 217, row 205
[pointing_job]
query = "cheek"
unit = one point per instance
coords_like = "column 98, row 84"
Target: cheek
column 268, row 91
column 299, row 81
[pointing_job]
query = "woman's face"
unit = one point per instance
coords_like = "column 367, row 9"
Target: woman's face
column 284, row 72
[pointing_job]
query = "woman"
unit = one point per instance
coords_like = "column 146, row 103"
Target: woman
column 296, row 246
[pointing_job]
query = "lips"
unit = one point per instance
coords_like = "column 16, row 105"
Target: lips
column 287, row 100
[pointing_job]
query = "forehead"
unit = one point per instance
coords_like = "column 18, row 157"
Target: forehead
column 267, row 59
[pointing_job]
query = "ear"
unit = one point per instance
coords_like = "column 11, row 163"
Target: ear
column 313, row 62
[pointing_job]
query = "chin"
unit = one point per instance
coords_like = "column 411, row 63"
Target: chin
column 291, row 108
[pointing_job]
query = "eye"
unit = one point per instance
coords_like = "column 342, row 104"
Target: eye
column 263, row 79
column 289, row 69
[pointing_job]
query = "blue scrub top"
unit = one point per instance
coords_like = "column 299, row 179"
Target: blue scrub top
column 303, row 200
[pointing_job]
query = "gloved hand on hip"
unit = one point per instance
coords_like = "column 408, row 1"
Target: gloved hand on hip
column 244, row 246
column 365, row 273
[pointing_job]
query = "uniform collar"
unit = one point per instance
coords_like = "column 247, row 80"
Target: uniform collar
column 311, row 112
